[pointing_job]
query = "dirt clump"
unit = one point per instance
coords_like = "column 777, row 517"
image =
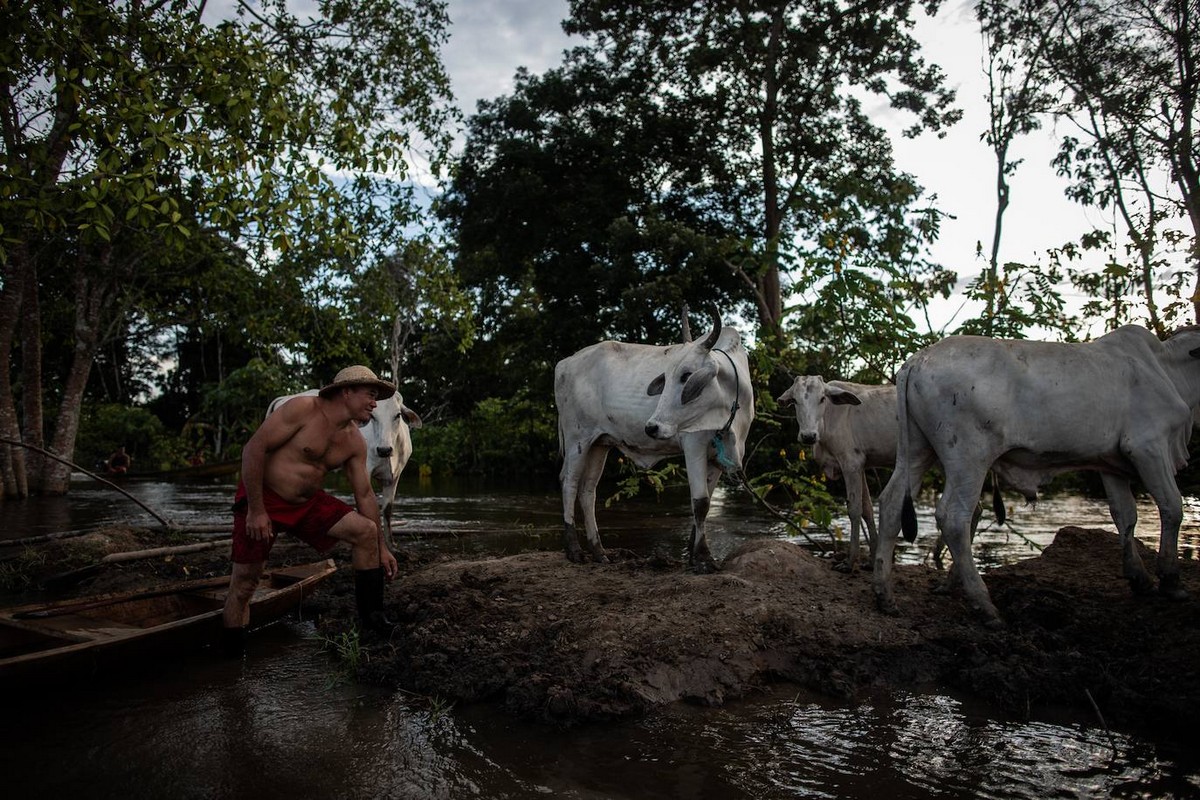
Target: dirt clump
column 568, row 643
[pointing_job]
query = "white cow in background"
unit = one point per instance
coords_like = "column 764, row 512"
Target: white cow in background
column 1121, row 405
column 389, row 446
column 651, row 402
column 851, row 427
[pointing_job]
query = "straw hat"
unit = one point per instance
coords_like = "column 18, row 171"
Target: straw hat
column 359, row 375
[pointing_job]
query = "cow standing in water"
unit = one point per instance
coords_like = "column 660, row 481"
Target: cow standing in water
column 1121, row 405
column 651, row 402
column 851, row 427
column 389, row 446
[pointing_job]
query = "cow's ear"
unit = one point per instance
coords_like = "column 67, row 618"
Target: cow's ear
column 696, row 383
column 788, row 397
column 842, row 397
column 411, row 418
column 656, row 385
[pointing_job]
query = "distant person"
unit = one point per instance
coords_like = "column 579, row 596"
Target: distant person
column 283, row 470
column 197, row 459
column 119, row 462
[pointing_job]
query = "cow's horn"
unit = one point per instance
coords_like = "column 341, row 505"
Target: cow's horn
column 711, row 341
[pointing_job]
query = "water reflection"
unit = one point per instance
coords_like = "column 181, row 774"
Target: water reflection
column 280, row 725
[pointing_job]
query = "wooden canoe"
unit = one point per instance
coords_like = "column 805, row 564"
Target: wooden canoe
column 87, row 633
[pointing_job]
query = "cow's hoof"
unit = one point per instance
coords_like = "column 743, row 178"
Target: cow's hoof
column 843, row 566
column 993, row 623
column 887, row 606
column 707, row 567
column 576, row 557
column 1169, row 587
column 600, row 558
column 1141, row 585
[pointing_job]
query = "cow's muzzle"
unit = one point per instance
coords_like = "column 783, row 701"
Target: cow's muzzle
column 383, row 452
column 808, row 438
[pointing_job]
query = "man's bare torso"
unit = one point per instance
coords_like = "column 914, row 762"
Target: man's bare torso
column 296, row 469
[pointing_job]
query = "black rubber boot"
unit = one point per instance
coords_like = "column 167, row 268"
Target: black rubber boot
column 368, row 596
column 233, row 642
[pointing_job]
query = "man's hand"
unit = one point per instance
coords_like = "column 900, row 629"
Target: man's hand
column 388, row 562
column 258, row 526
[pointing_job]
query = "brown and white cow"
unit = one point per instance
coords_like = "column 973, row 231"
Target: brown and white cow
column 1121, row 405
column 651, row 402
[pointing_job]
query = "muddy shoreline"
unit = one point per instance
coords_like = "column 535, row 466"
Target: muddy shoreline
column 568, row 644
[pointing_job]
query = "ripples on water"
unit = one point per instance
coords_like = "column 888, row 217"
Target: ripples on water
column 278, row 725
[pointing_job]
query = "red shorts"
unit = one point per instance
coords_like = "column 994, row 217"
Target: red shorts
column 309, row 521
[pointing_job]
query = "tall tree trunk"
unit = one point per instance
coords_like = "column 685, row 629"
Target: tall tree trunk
column 769, row 288
column 92, row 294
column 12, row 459
column 33, row 421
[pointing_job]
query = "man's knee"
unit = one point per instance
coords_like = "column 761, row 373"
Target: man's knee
column 244, row 581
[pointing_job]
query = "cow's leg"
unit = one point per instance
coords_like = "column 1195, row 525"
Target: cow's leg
column 702, row 479
column 389, row 500
column 891, row 502
column 593, row 469
column 953, row 578
column 955, row 514
column 868, row 515
column 572, row 470
column 1123, row 509
column 1158, row 476
column 854, row 508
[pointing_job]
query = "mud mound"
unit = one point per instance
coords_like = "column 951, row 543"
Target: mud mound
column 565, row 643
column 568, row 643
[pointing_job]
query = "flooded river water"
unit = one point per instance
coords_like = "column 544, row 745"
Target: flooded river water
column 281, row 724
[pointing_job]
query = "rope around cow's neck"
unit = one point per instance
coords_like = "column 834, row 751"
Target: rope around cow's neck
column 733, row 468
column 718, row 441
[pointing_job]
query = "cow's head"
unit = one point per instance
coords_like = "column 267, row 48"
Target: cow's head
column 688, row 397
column 810, row 393
column 388, row 442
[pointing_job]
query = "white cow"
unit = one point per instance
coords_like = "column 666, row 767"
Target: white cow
column 1121, row 405
column 389, row 446
column 651, row 402
column 851, row 427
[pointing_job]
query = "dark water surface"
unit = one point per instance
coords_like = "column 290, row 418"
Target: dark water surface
column 280, row 724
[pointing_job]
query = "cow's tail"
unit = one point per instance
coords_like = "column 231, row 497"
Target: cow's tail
column 998, row 501
column 908, row 512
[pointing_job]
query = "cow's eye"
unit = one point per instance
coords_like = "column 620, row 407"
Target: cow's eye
column 684, row 377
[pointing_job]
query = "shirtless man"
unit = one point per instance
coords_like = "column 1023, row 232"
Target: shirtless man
column 283, row 470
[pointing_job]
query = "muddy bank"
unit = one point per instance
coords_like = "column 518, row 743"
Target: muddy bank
column 563, row 643
column 567, row 643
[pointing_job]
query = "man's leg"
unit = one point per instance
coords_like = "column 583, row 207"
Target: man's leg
column 363, row 536
column 236, row 616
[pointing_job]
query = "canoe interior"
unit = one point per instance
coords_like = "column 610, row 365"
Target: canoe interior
column 96, row 621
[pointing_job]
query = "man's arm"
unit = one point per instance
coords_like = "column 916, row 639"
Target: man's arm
column 367, row 504
column 273, row 433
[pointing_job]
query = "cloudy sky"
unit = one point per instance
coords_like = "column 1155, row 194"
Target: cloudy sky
column 490, row 39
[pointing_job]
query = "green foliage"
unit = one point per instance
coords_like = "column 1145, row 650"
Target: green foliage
column 807, row 493
column 632, row 480
column 105, row 427
column 236, row 406
column 500, row 438
column 347, row 649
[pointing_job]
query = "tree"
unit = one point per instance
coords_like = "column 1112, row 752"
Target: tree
column 1015, row 40
column 777, row 92
column 1130, row 89
column 131, row 130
